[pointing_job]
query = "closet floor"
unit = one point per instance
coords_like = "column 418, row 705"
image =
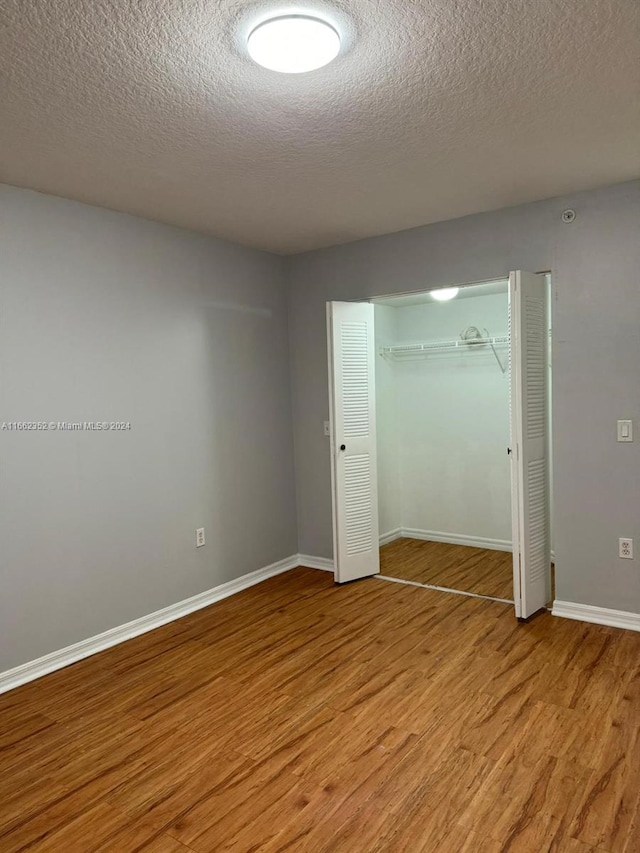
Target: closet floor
column 460, row 567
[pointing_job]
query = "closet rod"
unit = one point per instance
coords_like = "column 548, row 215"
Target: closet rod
column 427, row 347
column 435, row 346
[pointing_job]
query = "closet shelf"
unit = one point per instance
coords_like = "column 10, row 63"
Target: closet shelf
column 426, row 347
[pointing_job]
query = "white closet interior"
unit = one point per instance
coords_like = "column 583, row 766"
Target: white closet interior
column 442, row 406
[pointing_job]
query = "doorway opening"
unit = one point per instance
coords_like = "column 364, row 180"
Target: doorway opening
column 441, row 439
column 442, row 430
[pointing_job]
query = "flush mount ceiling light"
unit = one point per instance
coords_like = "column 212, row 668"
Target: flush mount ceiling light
column 293, row 44
column 445, row 294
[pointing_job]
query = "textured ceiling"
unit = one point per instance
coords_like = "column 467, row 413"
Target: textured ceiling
column 435, row 109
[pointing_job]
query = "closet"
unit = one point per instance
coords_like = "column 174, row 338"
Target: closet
column 440, row 438
column 442, row 416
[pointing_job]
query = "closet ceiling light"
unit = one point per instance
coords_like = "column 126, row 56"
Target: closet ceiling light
column 293, row 44
column 445, row 294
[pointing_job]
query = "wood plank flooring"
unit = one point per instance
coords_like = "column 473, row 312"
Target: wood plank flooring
column 460, row 567
column 301, row 716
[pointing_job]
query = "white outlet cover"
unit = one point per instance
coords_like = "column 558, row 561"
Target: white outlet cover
column 200, row 537
column 625, row 548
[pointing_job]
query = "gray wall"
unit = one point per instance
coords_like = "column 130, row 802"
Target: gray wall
column 108, row 317
column 596, row 315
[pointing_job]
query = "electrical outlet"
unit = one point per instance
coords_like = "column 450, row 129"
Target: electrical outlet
column 200, row 537
column 625, row 549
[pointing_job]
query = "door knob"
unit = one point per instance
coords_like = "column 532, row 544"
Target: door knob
column 343, row 447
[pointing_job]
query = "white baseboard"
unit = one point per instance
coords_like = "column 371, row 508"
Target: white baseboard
column 322, row 563
column 597, row 615
column 457, row 539
column 450, row 539
column 391, row 536
column 56, row 660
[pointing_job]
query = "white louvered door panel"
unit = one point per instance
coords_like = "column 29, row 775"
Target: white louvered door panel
column 353, row 439
column 529, row 443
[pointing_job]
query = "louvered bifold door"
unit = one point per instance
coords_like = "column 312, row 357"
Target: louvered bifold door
column 353, row 439
column 529, row 443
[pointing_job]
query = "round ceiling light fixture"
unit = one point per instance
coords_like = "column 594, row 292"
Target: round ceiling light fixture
column 445, row 294
column 293, row 44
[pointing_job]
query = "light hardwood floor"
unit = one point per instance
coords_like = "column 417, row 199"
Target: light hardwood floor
column 454, row 566
column 300, row 716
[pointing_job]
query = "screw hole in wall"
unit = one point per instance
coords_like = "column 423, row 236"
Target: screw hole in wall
column 568, row 215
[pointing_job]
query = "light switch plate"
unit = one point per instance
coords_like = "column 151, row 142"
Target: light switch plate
column 625, row 430
column 327, row 428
